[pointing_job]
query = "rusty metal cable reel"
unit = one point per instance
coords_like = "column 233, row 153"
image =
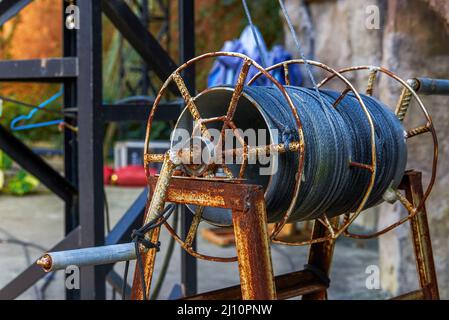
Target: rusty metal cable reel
column 222, row 105
column 392, row 194
column 263, row 107
column 179, row 157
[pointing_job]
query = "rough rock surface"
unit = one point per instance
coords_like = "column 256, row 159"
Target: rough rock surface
column 413, row 40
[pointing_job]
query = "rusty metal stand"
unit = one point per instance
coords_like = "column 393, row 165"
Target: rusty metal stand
column 250, row 228
column 320, row 257
column 412, row 184
column 253, row 250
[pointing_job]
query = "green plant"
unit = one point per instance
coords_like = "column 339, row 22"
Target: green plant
column 23, row 183
column 5, row 161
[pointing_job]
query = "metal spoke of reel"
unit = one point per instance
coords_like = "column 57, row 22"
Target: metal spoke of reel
column 190, row 103
column 333, row 234
column 407, row 94
column 361, row 165
column 193, row 109
column 286, row 74
column 371, row 80
column 341, row 97
column 245, row 151
column 418, row 130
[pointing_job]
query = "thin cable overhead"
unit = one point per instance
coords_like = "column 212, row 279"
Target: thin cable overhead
column 263, row 58
column 300, row 51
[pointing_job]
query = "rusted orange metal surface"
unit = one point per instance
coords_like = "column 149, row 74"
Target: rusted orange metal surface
column 250, row 227
column 247, row 201
column 205, row 192
column 287, row 286
column 414, row 295
column 255, row 266
column 190, row 102
column 148, row 259
column 403, row 104
column 421, row 237
column 253, row 248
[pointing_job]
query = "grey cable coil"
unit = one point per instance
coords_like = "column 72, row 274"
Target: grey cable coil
column 333, row 138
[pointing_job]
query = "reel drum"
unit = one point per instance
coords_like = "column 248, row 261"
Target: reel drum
column 335, row 137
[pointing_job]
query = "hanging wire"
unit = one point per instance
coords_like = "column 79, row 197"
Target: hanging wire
column 297, row 43
column 301, row 52
column 31, row 106
column 15, row 123
column 263, row 58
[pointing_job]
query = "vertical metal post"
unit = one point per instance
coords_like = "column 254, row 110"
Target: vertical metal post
column 421, row 238
column 153, row 209
column 253, row 248
column 187, row 52
column 90, row 158
column 71, row 220
column 320, row 256
column 145, row 18
column 149, row 261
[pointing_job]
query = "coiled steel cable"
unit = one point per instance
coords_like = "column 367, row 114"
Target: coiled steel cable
column 335, row 137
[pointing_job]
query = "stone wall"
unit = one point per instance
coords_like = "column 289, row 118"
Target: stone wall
column 413, row 40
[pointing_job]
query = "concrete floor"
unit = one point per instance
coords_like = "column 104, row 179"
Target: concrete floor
column 38, row 220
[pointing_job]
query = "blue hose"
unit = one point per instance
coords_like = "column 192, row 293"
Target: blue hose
column 15, row 123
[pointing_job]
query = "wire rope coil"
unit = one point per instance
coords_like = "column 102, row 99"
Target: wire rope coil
column 335, row 137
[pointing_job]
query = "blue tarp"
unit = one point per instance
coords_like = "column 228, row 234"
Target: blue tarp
column 226, row 69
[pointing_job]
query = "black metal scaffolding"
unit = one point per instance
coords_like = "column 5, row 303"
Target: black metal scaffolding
column 81, row 188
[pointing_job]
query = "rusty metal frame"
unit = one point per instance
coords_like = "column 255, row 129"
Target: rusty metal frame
column 422, row 244
column 257, row 281
column 288, row 286
column 298, row 146
column 250, row 227
column 402, row 107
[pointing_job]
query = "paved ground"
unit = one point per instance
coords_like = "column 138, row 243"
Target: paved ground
column 37, row 219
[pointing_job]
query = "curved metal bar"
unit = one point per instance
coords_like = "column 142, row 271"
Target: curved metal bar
column 175, row 76
column 193, row 253
column 429, row 128
column 302, row 243
column 411, row 210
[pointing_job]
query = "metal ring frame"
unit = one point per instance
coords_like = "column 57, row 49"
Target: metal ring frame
column 333, row 232
column 408, row 92
column 227, row 123
column 428, row 127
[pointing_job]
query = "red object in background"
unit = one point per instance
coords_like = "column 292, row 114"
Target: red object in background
column 107, row 174
column 130, row 176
